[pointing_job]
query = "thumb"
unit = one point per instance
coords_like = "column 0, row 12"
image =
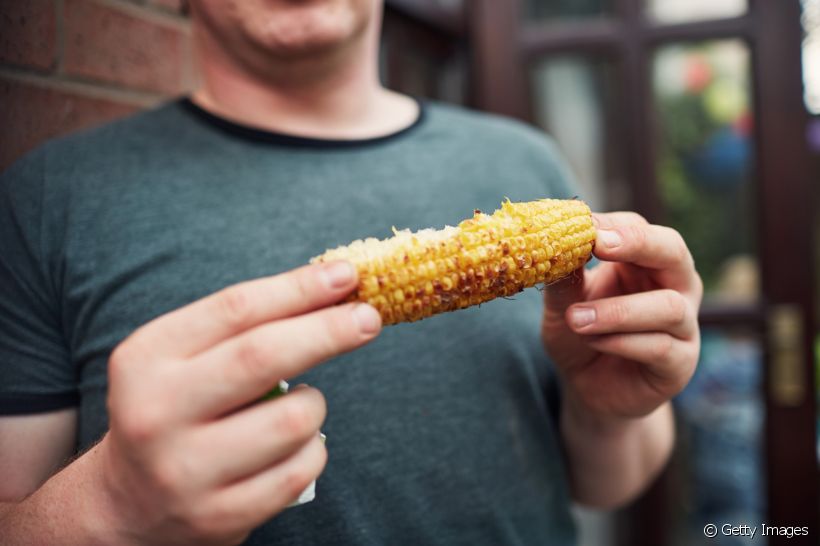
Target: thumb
column 565, row 347
column 558, row 296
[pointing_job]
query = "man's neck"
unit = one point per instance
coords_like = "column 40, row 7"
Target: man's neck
column 320, row 97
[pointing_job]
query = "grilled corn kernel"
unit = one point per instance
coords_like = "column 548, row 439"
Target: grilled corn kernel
column 411, row 276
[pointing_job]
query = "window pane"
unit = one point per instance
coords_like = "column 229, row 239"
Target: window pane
column 720, row 471
column 411, row 65
column 574, row 101
column 704, row 164
column 565, row 9
column 685, row 11
column 811, row 54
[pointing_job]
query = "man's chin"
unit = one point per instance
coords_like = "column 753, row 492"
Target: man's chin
column 305, row 47
column 314, row 32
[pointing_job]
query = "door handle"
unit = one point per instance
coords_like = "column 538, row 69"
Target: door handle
column 787, row 355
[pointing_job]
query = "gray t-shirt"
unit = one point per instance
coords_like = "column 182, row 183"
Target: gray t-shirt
column 439, row 432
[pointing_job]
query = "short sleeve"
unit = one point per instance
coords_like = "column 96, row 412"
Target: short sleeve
column 36, row 374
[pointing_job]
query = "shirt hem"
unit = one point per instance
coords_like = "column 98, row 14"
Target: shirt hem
column 30, row 403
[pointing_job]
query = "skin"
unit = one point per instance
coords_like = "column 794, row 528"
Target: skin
column 166, row 471
column 302, row 68
column 625, row 339
column 185, row 383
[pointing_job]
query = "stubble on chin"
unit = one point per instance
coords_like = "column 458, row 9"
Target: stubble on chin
column 296, row 30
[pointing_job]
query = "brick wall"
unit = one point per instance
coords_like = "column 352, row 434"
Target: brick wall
column 70, row 64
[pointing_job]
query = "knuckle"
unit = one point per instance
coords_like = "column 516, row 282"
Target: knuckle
column 251, row 360
column 617, row 312
column 337, row 326
column 637, row 218
column 297, row 420
column 121, row 358
column 296, row 480
column 167, row 477
column 139, row 425
column 661, row 348
column 676, row 307
column 637, row 235
column 300, row 285
column 234, row 305
column 213, row 519
column 335, row 329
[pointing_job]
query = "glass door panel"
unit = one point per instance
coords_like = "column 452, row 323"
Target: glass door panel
column 688, row 11
column 704, row 163
column 574, row 101
column 811, row 57
column 719, row 466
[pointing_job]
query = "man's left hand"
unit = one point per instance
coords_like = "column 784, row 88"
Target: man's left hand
column 624, row 335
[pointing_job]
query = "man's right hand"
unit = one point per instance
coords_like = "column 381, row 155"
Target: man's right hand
column 191, row 456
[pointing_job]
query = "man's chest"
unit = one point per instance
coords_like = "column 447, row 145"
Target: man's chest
column 131, row 257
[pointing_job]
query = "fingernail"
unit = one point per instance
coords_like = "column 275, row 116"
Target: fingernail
column 609, row 238
column 367, row 318
column 582, row 316
column 338, row 274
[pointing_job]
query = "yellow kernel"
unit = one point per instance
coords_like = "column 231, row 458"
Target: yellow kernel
column 398, row 296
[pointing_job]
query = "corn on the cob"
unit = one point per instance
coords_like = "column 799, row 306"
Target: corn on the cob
column 411, row 276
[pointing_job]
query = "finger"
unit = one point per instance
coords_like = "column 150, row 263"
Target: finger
column 608, row 220
column 668, row 362
column 560, row 295
column 253, row 501
column 263, row 433
column 659, row 310
column 657, row 248
column 208, row 321
column 242, row 369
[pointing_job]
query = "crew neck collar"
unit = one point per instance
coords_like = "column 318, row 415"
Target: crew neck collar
column 284, row 139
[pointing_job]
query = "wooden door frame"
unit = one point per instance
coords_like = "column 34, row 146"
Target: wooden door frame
column 502, row 49
column 420, row 28
column 784, row 165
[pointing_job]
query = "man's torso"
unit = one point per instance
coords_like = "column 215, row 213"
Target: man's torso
column 439, row 432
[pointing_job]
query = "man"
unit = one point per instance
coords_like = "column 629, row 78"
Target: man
column 120, row 341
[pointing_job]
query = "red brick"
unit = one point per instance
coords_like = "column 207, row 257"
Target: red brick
column 28, row 33
column 106, row 44
column 32, row 114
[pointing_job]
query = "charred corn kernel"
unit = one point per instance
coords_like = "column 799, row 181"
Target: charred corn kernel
column 411, row 276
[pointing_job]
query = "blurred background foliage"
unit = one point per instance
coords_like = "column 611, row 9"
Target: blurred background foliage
column 704, row 156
